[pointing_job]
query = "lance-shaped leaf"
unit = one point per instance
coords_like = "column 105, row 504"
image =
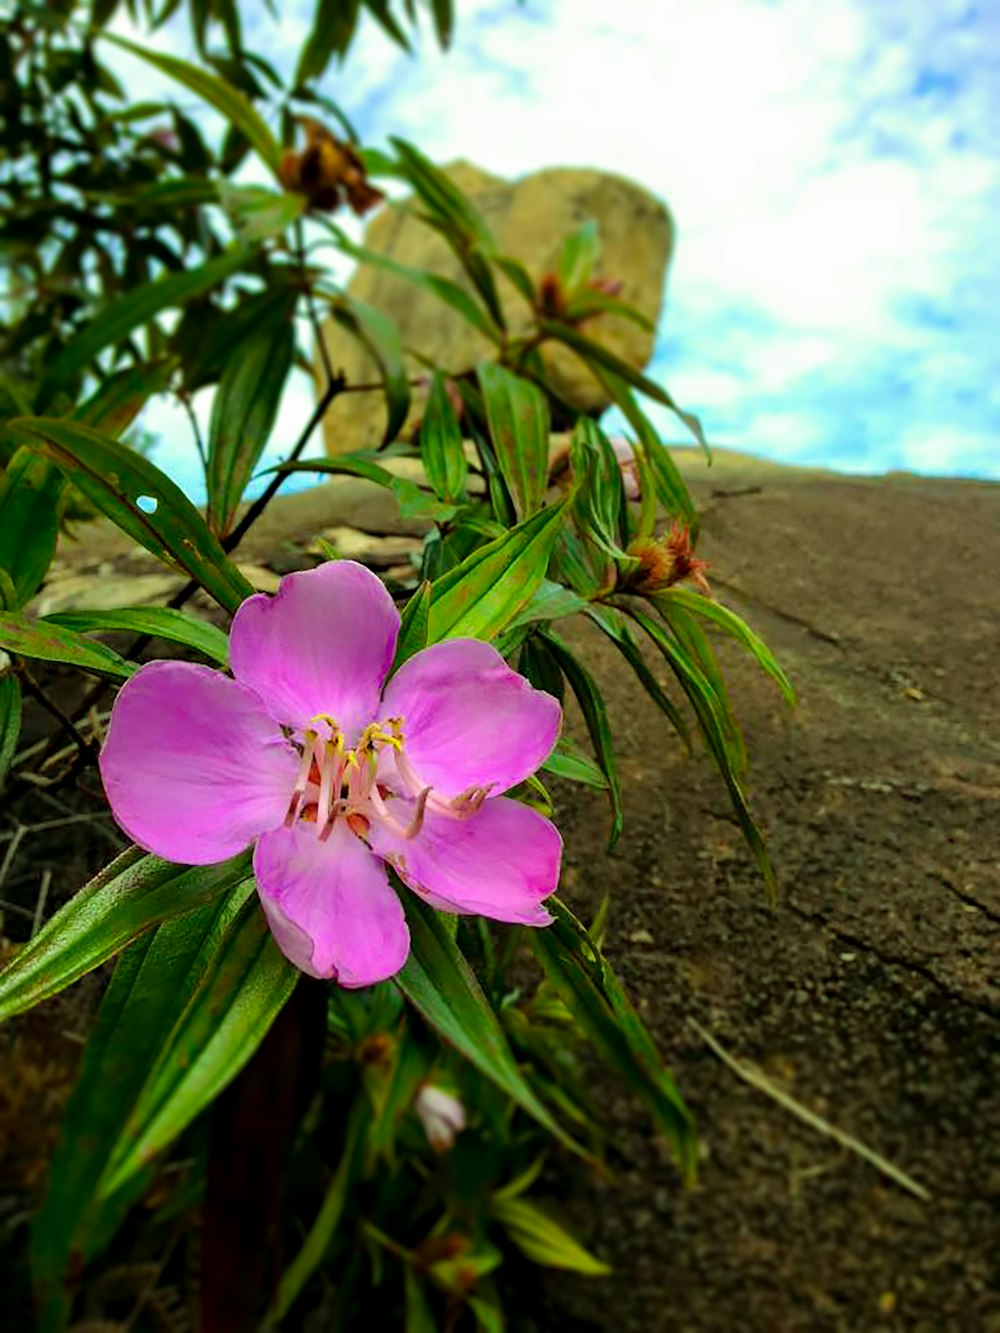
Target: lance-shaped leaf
column 670, row 486
column 730, row 623
column 598, row 357
column 543, row 1239
column 483, row 594
column 413, row 626
column 10, row 721
column 324, row 1228
column 127, row 313
column 139, row 499
column 245, row 408
column 244, row 981
column 518, row 417
column 439, row 983
column 381, row 337
column 160, row 622
column 48, row 642
column 123, row 395
column 333, row 27
column 590, row 990
column 235, row 108
column 578, row 257
column 150, row 985
column 595, row 714
column 444, row 288
column 30, row 491
column 568, row 761
column 618, row 632
column 716, row 724
column 441, row 443
column 127, row 898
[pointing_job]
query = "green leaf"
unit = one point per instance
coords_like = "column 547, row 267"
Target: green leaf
column 444, row 21
column 115, row 479
column 10, row 721
column 568, row 761
column 258, row 213
column 244, row 981
column 413, row 626
column 445, row 200
column 584, row 981
column 670, row 485
column 518, row 417
column 245, row 409
column 578, row 256
column 30, row 491
column 441, row 443
column 123, row 395
column 333, row 27
column 599, row 358
column 730, row 623
column 716, row 725
column 150, row 984
column 234, row 107
column 620, row 635
column 156, row 621
column 125, row 314
column 438, row 982
column 443, row 288
column 543, row 1240
column 49, row 642
column 323, row 1230
column 381, row 337
column 483, row 594
column 127, row 898
column 595, row 714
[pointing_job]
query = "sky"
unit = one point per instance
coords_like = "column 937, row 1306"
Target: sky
column 834, row 175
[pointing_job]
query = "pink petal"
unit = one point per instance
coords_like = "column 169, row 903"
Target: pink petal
column 468, row 719
column 501, row 862
column 330, row 905
column 193, row 765
column 322, row 644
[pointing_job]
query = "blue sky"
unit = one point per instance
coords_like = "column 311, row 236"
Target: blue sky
column 832, row 169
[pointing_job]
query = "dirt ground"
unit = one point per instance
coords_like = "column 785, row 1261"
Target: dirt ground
column 871, row 994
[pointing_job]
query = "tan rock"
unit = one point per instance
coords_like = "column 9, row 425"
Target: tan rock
column 529, row 218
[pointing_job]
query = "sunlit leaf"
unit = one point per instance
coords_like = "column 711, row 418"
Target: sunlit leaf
column 139, row 499
column 48, row 642
column 158, row 622
column 233, row 106
column 441, row 443
column 518, row 418
column 244, row 981
column 482, row 595
column 543, row 1240
column 10, row 721
column 131, row 895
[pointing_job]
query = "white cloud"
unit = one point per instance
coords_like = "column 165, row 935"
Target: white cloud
column 831, row 168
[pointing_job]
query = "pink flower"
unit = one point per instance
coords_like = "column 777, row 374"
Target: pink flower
column 626, row 462
column 441, row 1114
column 333, row 777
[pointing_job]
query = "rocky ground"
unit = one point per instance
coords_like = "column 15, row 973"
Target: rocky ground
column 871, row 994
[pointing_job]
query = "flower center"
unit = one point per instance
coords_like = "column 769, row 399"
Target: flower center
column 336, row 781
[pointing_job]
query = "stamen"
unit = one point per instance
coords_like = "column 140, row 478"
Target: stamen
column 406, row 831
column 331, row 774
column 302, row 780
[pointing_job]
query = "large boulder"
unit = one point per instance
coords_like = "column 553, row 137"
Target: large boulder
column 530, row 219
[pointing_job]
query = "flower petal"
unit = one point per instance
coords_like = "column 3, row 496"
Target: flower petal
column 322, row 644
column 468, row 719
column 330, row 906
column 193, row 765
column 501, row 862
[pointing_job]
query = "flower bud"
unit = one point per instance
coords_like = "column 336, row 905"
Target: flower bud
column 441, row 1114
column 664, row 561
